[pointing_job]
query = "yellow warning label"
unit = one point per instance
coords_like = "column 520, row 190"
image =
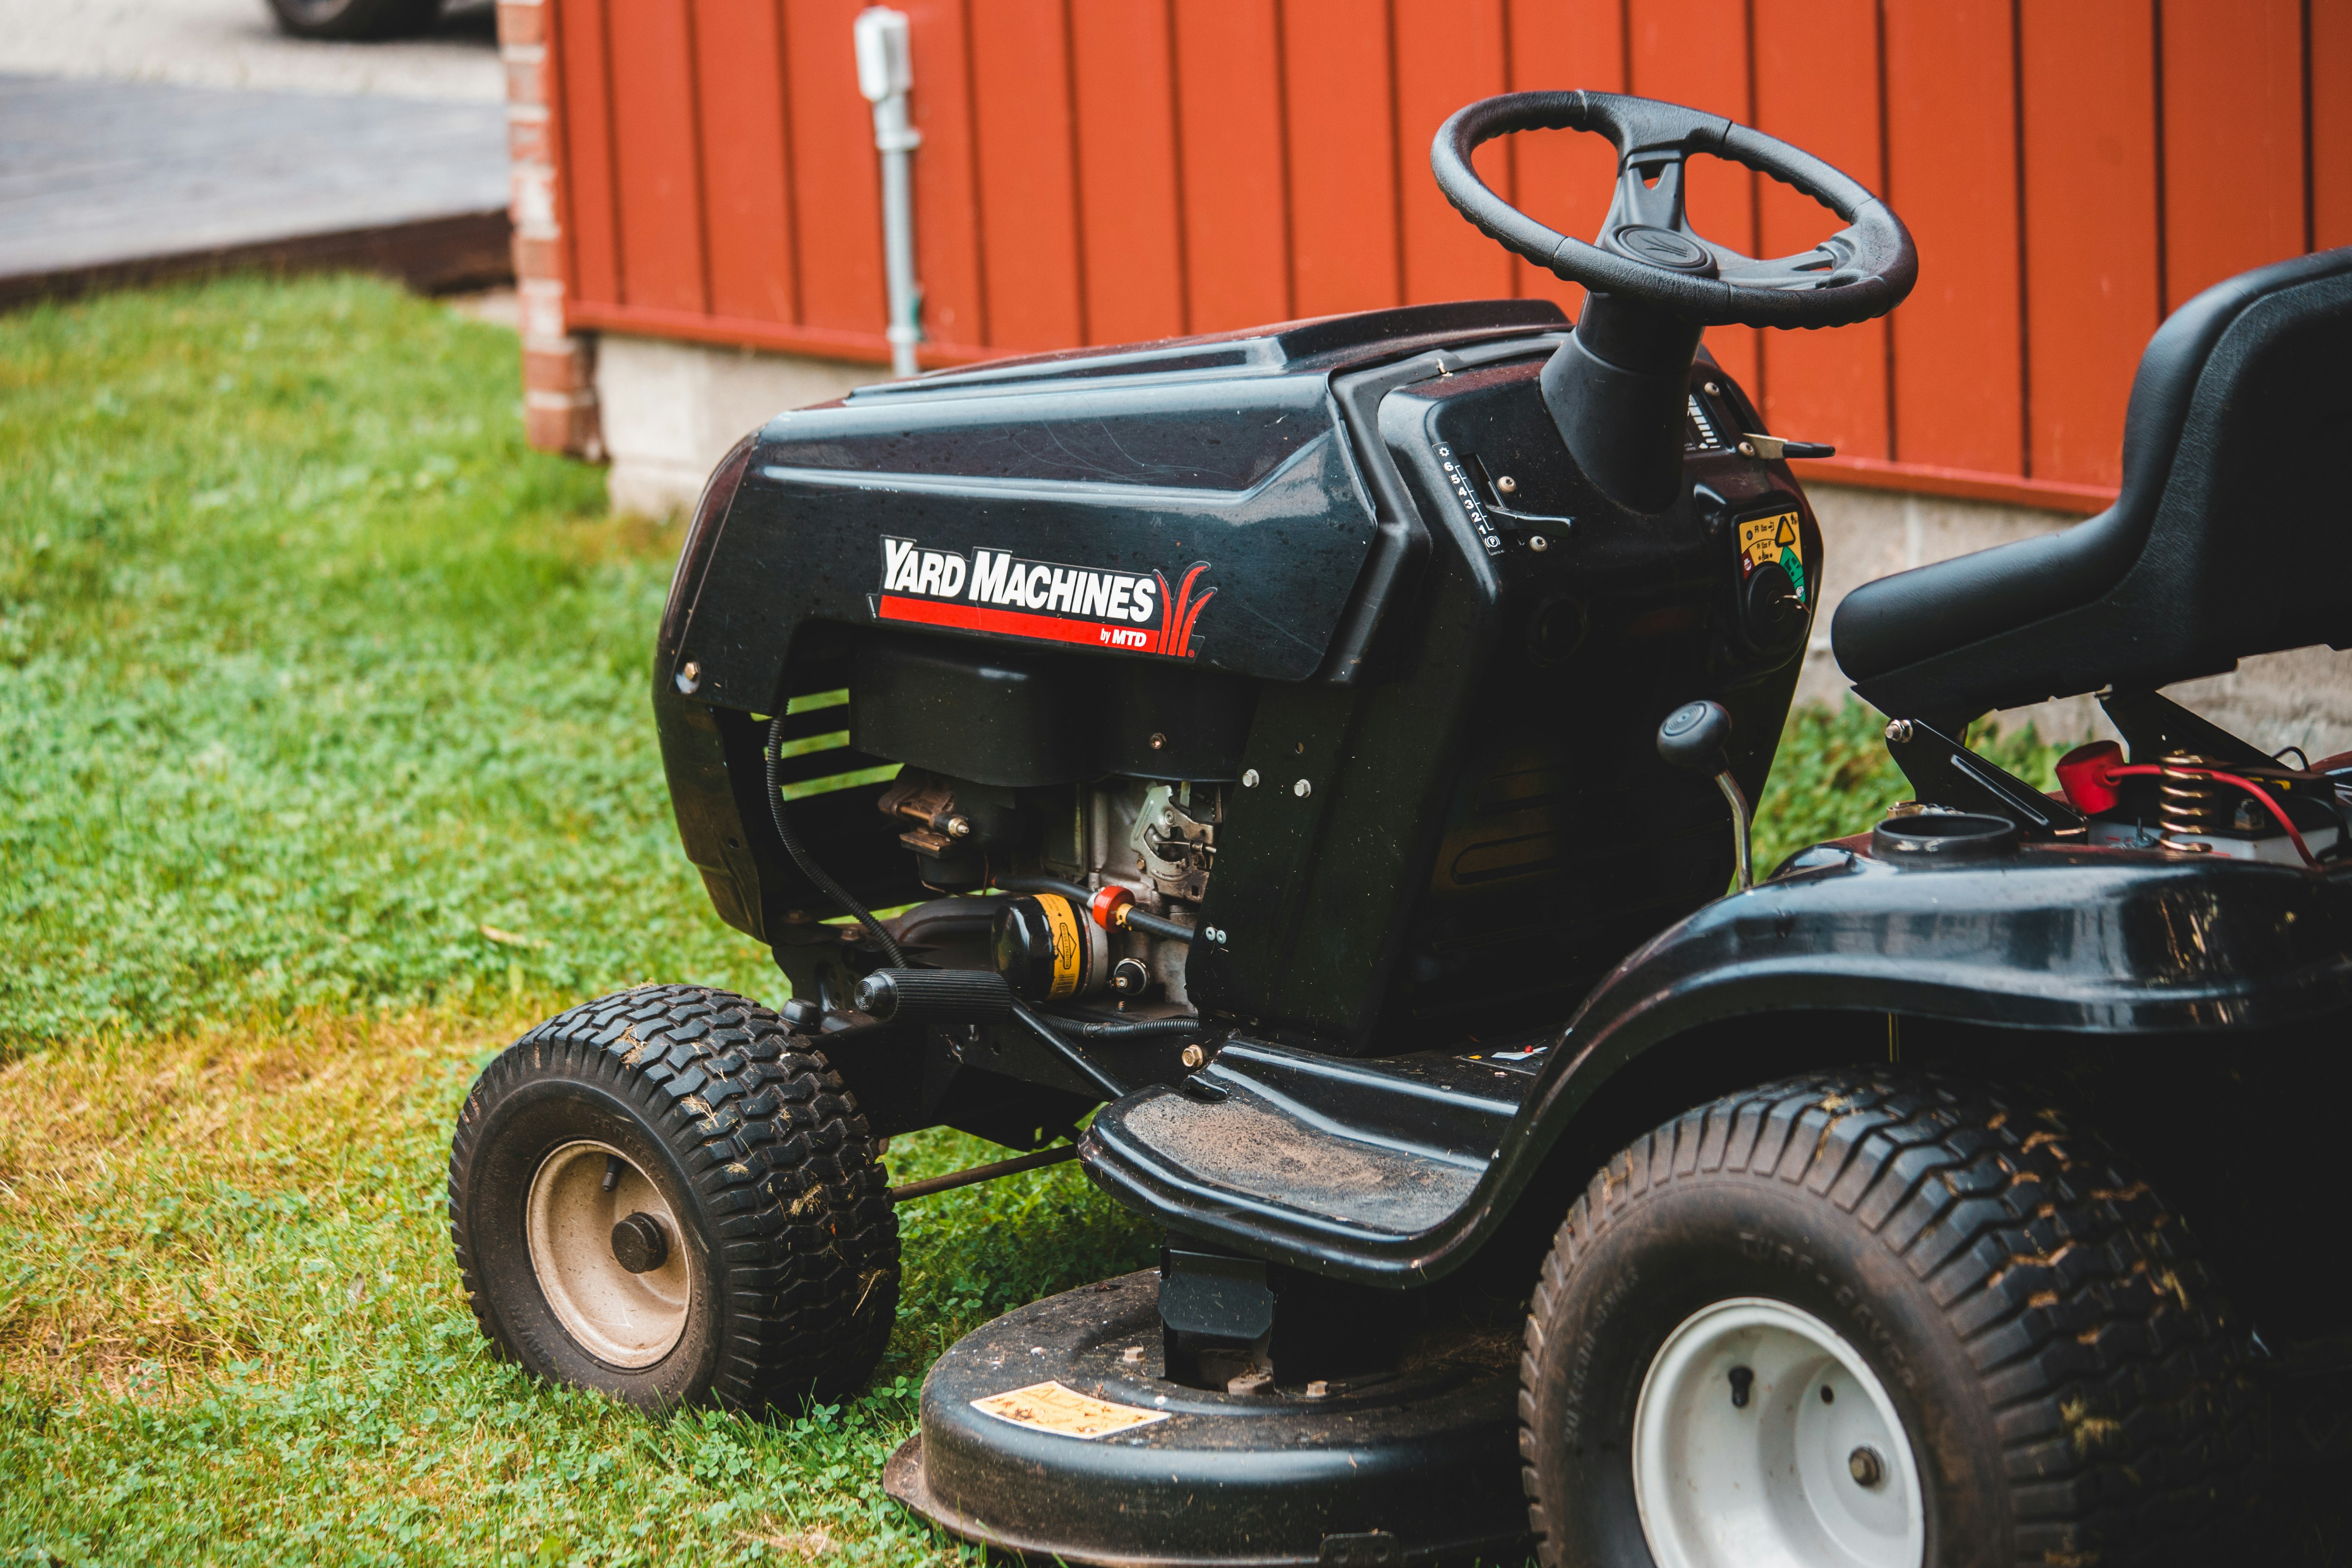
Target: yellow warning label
column 1764, row 540
column 1069, row 944
column 1050, row 1407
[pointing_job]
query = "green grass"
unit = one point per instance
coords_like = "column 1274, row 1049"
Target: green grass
column 324, row 732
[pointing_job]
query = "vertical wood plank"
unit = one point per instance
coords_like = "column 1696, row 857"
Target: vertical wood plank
column 745, row 184
column 1830, row 385
column 1131, row 235
column 947, row 231
column 590, row 214
column 836, row 184
column 654, row 142
column 1230, row 125
column 2091, row 239
column 1563, row 178
column 2331, row 125
column 1695, row 52
column 1951, row 161
column 1343, row 153
column 2232, row 140
column 1021, row 126
column 1448, row 53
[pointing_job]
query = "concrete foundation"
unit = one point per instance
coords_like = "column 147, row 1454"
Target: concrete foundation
column 671, row 410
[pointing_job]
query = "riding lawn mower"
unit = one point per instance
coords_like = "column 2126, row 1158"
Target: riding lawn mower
column 1307, row 765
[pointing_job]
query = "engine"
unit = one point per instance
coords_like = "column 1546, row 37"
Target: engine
column 1297, row 679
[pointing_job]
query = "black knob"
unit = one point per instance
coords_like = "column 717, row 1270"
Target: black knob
column 1692, row 736
column 877, row 995
column 640, row 1245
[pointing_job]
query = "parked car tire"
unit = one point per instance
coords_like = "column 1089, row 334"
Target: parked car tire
column 1877, row 1322
column 665, row 1196
column 356, row 19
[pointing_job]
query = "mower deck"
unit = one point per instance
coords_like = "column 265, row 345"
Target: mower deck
column 1119, row 1466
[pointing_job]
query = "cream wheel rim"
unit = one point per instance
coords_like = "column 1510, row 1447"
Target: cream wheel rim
column 622, row 1318
column 1763, row 1439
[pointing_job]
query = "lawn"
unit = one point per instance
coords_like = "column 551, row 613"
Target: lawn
column 328, row 770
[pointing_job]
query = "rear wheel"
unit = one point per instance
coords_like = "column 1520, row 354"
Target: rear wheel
column 665, row 1196
column 1872, row 1322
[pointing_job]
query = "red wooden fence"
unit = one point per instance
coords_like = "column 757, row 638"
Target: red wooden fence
column 1103, row 170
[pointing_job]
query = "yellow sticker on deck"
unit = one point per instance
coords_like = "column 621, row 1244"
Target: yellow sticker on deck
column 1050, row 1407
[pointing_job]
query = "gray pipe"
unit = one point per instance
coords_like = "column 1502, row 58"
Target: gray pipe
column 885, row 75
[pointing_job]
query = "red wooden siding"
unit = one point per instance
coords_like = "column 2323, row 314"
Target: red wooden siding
column 1105, row 171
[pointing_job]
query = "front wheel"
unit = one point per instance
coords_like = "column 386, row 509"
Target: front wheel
column 665, row 1196
column 1856, row 1321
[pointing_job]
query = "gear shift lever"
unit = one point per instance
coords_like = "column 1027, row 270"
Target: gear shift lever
column 1692, row 739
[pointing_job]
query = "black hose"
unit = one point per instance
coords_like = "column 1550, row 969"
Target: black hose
column 809, row 868
column 1125, row 1028
column 1137, row 919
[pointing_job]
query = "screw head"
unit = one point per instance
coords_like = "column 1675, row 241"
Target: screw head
column 1713, row 390
column 1748, row 448
column 1194, row 1056
column 1302, row 789
column 1507, row 485
column 690, row 675
column 1865, row 1467
column 1538, row 543
column 1898, row 731
column 1249, row 778
column 1157, row 739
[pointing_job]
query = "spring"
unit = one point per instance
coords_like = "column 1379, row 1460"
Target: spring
column 2187, row 803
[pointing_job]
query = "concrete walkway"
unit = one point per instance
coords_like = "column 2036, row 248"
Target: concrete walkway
column 104, row 183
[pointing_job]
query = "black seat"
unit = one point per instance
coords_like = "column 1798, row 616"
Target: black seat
column 2232, row 534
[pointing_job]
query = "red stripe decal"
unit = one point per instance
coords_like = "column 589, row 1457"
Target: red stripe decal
column 1016, row 623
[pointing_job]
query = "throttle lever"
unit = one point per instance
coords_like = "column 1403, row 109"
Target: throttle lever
column 1693, row 738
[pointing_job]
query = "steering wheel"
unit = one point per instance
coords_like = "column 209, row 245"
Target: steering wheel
column 1648, row 253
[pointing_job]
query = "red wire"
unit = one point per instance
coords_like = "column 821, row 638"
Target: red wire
column 2152, row 770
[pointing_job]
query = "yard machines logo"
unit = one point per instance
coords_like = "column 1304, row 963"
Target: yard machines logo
column 995, row 591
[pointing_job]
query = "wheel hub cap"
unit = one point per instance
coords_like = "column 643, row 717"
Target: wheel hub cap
column 587, row 1203
column 1763, row 1439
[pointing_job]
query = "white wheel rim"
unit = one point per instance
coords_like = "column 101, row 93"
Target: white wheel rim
column 1771, row 1484
column 620, row 1317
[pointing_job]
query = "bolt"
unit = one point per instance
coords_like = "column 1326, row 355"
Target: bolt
column 959, row 826
column 1319, row 1389
column 690, row 675
column 1898, row 731
column 1748, row 448
column 1507, row 485
column 1132, row 1355
column 1249, row 778
column 1865, row 1467
column 1302, row 789
column 1713, row 390
column 1538, row 543
column 1157, row 739
column 1194, row 1056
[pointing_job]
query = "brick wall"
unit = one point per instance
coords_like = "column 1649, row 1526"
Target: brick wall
column 559, row 367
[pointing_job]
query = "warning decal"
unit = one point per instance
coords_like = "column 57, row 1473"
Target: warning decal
column 1764, row 540
column 1050, row 1407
